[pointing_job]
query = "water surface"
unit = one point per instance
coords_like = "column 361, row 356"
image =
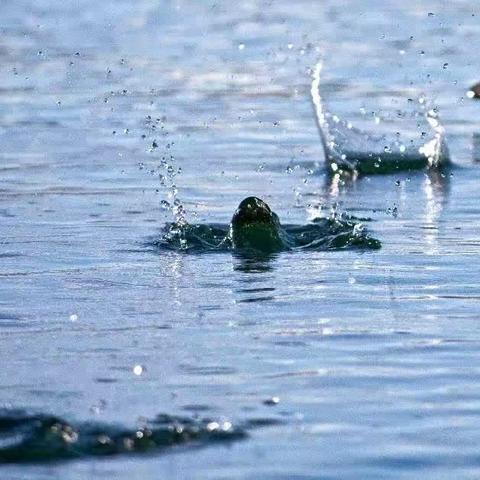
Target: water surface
column 111, row 110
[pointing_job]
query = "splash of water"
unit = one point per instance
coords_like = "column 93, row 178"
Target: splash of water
column 336, row 232
column 167, row 169
column 350, row 149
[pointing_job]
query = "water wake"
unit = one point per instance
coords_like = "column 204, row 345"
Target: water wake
column 350, row 149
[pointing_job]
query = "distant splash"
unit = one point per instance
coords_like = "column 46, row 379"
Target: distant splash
column 35, row 438
column 337, row 232
column 350, row 149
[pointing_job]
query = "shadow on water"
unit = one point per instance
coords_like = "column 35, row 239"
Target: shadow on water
column 36, row 438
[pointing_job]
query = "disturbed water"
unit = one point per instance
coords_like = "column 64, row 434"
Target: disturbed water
column 333, row 233
column 118, row 118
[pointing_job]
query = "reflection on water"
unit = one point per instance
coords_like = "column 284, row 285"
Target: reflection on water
column 476, row 147
column 436, row 188
column 253, row 263
column 257, row 284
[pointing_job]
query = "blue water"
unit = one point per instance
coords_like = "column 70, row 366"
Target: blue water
column 371, row 353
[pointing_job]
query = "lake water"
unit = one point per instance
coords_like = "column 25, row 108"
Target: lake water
column 372, row 353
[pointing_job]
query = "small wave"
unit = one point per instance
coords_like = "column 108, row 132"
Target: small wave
column 34, row 438
column 334, row 233
column 350, row 149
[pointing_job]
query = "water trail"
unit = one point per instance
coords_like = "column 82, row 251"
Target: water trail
column 350, row 149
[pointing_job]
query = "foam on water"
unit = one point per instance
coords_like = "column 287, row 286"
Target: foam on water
column 349, row 149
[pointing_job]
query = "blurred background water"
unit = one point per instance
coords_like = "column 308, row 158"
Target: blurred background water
column 110, row 109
